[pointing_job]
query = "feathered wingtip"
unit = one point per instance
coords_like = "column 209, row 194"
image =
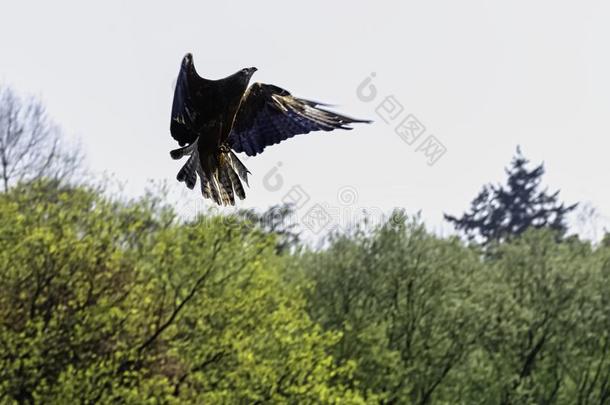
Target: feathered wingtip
column 330, row 114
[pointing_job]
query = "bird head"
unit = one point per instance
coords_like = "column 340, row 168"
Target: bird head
column 188, row 59
column 247, row 73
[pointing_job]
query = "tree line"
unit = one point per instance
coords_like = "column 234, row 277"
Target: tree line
column 107, row 300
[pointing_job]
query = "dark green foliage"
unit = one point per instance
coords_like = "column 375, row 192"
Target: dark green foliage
column 403, row 302
column 428, row 321
column 499, row 212
column 119, row 302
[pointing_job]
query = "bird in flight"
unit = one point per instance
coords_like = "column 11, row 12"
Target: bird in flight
column 213, row 119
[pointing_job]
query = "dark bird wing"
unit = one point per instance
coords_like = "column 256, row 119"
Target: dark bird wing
column 182, row 121
column 193, row 103
column 268, row 115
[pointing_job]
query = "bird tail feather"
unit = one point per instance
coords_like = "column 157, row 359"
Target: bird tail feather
column 220, row 175
column 238, row 166
column 186, row 150
column 188, row 173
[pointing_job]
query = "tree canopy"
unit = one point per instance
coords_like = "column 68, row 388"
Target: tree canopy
column 499, row 212
column 105, row 301
column 108, row 300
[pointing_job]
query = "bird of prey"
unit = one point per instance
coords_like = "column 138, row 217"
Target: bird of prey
column 212, row 119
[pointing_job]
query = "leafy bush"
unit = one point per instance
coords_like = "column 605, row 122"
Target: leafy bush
column 106, row 301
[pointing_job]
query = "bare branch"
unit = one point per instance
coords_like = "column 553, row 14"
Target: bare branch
column 31, row 145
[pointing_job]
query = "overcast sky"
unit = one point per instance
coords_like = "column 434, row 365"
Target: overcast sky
column 481, row 76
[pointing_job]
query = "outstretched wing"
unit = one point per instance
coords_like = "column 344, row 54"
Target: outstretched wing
column 269, row 114
column 182, row 120
column 195, row 103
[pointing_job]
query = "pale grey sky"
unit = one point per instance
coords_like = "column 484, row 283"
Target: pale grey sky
column 482, row 77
